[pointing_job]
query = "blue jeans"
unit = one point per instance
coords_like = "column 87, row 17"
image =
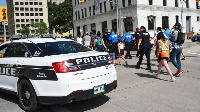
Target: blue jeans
column 176, row 53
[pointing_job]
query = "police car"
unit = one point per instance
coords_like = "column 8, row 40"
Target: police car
column 53, row 71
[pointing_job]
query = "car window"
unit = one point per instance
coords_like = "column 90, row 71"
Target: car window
column 17, row 50
column 3, row 50
column 62, row 47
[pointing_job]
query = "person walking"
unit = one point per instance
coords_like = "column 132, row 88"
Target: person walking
column 93, row 37
column 128, row 38
column 144, row 42
column 99, row 43
column 163, row 56
column 114, row 39
column 87, row 40
column 121, row 47
column 111, row 52
column 168, row 33
column 176, row 52
column 137, row 35
column 106, row 36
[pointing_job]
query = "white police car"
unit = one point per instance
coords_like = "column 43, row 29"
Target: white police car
column 53, row 71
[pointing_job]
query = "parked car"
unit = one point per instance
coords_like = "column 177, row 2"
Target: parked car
column 196, row 37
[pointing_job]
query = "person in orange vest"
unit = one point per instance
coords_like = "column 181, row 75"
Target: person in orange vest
column 163, row 53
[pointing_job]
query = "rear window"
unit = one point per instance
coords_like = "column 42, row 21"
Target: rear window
column 62, row 47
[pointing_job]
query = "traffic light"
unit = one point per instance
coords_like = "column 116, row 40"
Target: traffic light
column 3, row 13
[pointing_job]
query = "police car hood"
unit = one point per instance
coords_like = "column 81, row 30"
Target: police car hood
column 81, row 58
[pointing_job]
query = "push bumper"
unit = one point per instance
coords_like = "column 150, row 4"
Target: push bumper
column 75, row 96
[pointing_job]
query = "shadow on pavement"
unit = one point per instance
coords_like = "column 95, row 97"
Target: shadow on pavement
column 149, row 76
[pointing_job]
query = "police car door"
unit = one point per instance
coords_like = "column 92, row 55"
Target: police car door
column 3, row 64
column 15, row 57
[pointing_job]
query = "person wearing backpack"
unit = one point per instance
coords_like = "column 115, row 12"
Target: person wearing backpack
column 99, row 43
column 177, row 40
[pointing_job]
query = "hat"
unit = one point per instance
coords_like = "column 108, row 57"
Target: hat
column 86, row 33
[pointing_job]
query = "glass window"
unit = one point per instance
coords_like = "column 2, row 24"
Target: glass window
column 22, row 25
column 31, row 3
column 36, row 20
column 129, row 2
column 90, row 11
column 164, row 3
column 40, row 9
column 26, row 3
column 93, row 9
column 187, row 3
column 82, row 13
column 150, row 2
column 32, row 31
column 165, row 22
column 17, row 50
column 3, row 49
column 36, row 14
column 31, row 14
column 123, row 3
column 41, row 14
column 26, row 9
column 17, row 20
column 111, row 6
column 27, row 14
column 16, row 8
column 36, row 9
column 197, row 18
column 31, row 9
column 40, row 3
column 41, row 19
column 27, row 20
column 18, row 31
column 27, row 25
column 16, row 3
column 151, row 20
column 85, row 12
column 22, row 14
column 35, row 3
column 32, row 20
column 17, row 14
column 176, row 3
column 21, row 3
column 177, row 19
column 100, row 7
column 22, row 20
column 197, row 5
column 62, row 47
column 17, row 25
column 21, row 8
column 105, row 7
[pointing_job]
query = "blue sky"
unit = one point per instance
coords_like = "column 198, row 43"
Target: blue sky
column 3, row 3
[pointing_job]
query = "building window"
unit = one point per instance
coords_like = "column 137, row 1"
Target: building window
column 26, row 9
column 129, row 2
column 22, row 14
column 35, row 3
column 36, row 14
column 40, row 3
column 32, row 20
column 31, row 14
column 40, row 9
column 17, row 14
column 41, row 20
column 93, row 9
column 197, row 5
column 176, row 3
column 197, row 18
column 27, row 25
column 22, row 25
column 100, row 7
column 21, row 8
column 41, row 14
column 85, row 12
column 16, row 3
column 105, row 6
column 36, row 20
column 78, row 15
column 150, row 2
column 111, row 5
column 17, row 20
column 74, row 2
column 32, row 31
column 90, row 11
column 18, row 31
column 22, row 20
column 26, row 3
column 21, row 3
column 187, row 3
column 27, row 14
column 177, row 19
column 164, row 3
column 82, row 13
column 36, row 9
column 27, row 20
column 165, row 22
column 17, row 25
column 31, row 9
column 123, row 3
column 16, row 8
column 31, row 3
column 151, row 20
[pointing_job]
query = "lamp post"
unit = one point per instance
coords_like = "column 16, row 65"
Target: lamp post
column 182, row 2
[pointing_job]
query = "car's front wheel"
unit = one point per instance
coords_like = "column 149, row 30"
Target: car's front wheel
column 27, row 97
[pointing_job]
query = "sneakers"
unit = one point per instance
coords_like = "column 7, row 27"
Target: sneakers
column 154, row 75
column 172, row 79
column 179, row 73
column 148, row 68
column 126, row 62
column 183, row 58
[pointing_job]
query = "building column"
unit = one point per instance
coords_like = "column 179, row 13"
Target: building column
column 99, row 27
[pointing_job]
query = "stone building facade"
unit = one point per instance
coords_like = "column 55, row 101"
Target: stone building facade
column 89, row 17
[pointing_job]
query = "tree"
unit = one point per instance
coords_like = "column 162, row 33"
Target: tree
column 61, row 16
column 40, row 28
column 25, row 30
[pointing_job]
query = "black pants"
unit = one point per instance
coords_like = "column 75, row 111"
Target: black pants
column 115, row 49
column 145, row 49
column 127, row 44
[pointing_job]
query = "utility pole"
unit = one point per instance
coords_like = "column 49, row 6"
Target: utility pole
column 182, row 2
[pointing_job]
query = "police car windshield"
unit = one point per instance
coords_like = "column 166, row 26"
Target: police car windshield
column 62, row 47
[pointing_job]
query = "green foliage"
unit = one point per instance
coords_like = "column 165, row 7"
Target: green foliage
column 25, row 30
column 61, row 16
column 40, row 28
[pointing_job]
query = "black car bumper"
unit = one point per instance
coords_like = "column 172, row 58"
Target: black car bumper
column 76, row 96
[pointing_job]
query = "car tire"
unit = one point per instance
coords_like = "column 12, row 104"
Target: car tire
column 27, row 97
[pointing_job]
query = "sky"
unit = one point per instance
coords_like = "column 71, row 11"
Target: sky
column 3, row 3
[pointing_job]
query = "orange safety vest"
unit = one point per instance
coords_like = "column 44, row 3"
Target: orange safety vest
column 164, row 53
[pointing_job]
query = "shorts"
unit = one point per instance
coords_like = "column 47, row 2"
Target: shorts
column 122, row 51
column 112, row 55
column 161, row 58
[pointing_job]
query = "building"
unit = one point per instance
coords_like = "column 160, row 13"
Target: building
column 24, row 12
column 89, row 17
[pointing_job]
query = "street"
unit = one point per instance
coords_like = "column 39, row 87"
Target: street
column 138, row 90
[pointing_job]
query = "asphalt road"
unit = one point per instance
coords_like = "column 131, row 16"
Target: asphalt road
column 138, row 90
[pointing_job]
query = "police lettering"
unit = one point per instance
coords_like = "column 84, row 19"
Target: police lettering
column 91, row 59
column 7, row 71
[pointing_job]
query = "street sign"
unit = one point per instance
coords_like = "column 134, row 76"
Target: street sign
column 81, row 0
column 3, row 14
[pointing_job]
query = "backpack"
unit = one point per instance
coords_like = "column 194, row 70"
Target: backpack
column 180, row 38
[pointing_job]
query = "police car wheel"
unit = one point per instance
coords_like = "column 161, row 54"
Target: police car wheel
column 27, row 97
